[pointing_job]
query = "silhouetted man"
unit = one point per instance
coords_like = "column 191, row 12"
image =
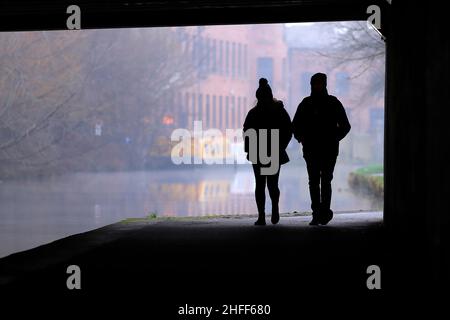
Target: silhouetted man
column 267, row 115
column 319, row 124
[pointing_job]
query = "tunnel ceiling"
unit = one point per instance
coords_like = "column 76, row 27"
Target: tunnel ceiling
column 21, row 15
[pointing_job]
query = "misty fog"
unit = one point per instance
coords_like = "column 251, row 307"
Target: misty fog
column 86, row 119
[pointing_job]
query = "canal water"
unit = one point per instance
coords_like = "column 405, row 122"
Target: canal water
column 35, row 212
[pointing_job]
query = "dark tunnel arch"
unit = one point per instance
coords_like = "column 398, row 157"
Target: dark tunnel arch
column 416, row 92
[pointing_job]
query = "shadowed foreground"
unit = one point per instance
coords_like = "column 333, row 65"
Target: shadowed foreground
column 170, row 263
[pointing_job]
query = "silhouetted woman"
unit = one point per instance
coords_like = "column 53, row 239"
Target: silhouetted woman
column 268, row 114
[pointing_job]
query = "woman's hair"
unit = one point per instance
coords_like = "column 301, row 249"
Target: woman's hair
column 264, row 92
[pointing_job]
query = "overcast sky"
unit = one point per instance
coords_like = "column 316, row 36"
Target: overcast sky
column 312, row 35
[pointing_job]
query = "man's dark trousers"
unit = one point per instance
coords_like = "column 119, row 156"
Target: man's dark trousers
column 320, row 168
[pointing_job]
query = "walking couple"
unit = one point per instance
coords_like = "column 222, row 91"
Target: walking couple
column 320, row 122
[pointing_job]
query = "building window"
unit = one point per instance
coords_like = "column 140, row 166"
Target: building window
column 203, row 59
column 305, row 84
column 239, row 109
column 220, row 57
column 221, row 112
column 186, row 99
column 188, row 110
column 233, row 60
column 194, row 49
column 194, row 106
column 227, row 53
column 265, row 69
column 377, row 132
column 245, row 61
column 207, row 54
column 214, row 56
column 285, row 73
column 239, row 64
column 342, row 83
column 214, row 112
column 200, row 107
column 227, row 112
column 376, row 119
column 207, row 112
column 233, row 113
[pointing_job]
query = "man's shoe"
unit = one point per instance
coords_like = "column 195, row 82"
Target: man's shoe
column 315, row 218
column 275, row 217
column 326, row 217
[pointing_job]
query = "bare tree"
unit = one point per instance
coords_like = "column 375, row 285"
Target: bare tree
column 144, row 71
column 358, row 44
column 36, row 90
column 55, row 85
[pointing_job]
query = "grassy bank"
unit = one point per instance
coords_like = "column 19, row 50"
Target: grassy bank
column 369, row 180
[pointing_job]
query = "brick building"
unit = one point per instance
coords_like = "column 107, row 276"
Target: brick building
column 229, row 61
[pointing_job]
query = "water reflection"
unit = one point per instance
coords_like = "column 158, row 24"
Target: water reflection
column 38, row 211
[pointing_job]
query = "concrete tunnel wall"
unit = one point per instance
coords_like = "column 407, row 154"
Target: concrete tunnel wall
column 417, row 137
column 417, row 131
